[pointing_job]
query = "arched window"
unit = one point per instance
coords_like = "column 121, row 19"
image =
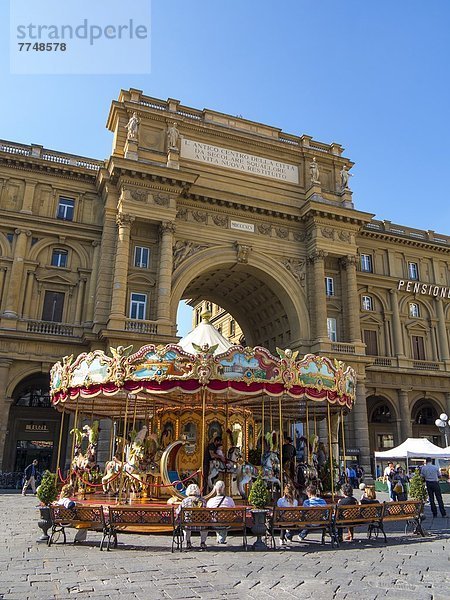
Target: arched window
column 381, row 414
column 33, row 392
column 426, row 415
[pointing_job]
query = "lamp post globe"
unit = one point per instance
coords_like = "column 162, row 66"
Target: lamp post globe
column 444, row 417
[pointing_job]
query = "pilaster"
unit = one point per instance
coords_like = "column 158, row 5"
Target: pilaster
column 396, row 326
column 119, row 292
column 166, row 230
column 15, row 281
column 317, row 259
column 442, row 332
column 361, row 426
column 27, row 202
column 92, row 283
column 405, row 414
column 5, row 404
column 349, row 264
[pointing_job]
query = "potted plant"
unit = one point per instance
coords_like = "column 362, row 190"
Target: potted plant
column 418, row 490
column 259, row 497
column 47, row 493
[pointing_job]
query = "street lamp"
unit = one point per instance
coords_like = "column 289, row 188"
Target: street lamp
column 444, row 426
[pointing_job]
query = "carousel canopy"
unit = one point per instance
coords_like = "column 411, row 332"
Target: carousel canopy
column 205, row 335
column 415, row 448
column 203, row 363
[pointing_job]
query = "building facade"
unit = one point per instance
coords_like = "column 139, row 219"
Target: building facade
column 201, row 205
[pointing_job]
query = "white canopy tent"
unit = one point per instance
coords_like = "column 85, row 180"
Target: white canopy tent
column 415, row 448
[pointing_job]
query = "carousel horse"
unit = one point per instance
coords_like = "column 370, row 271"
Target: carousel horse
column 271, row 468
column 112, row 468
column 234, row 457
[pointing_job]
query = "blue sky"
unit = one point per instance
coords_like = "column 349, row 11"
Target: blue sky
column 371, row 75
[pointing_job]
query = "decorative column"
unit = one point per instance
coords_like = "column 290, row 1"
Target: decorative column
column 93, row 283
column 396, row 325
column 442, row 331
column 28, row 195
column 5, row 404
column 119, row 293
column 362, row 427
column 2, row 284
column 15, row 279
column 317, row 258
column 80, row 301
column 349, row 264
column 405, row 414
column 28, row 295
column 166, row 231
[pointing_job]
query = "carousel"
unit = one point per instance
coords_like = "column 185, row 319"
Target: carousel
column 201, row 410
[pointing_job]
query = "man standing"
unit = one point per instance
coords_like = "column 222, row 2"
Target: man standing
column 388, row 475
column 30, row 478
column 288, row 453
column 431, row 475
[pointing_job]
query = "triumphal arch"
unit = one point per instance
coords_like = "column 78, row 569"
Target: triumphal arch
column 201, row 205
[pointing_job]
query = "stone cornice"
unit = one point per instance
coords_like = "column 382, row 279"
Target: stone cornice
column 387, row 236
column 37, row 166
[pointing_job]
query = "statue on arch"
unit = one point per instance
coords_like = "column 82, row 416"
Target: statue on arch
column 133, row 127
column 314, row 171
column 345, row 176
column 173, row 135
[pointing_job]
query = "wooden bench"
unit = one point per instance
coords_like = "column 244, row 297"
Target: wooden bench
column 353, row 515
column 409, row 511
column 79, row 517
column 144, row 520
column 209, row 518
column 312, row 518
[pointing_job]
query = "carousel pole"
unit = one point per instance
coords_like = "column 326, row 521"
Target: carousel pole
column 344, row 450
column 123, row 448
column 281, row 442
column 271, row 416
column 134, row 413
column 307, row 433
column 61, row 427
column 330, row 450
column 75, row 423
column 203, row 434
column 262, row 430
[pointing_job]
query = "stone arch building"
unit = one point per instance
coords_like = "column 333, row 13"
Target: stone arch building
column 98, row 253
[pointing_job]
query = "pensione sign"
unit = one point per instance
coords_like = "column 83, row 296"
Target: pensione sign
column 426, row 289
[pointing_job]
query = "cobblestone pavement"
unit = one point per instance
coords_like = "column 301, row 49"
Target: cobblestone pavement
column 143, row 567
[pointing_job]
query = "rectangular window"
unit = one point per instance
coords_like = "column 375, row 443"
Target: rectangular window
column 367, row 303
column 53, row 307
column 141, row 256
column 385, row 440
column 59, row 258
column 138, row 306
column 371, row 342
column 329, row 286
column 418, row 347
column 414, row 310
column 232, row 327
column 65, row 208
column 331, row 329
column 366, row 263
column 413, row 271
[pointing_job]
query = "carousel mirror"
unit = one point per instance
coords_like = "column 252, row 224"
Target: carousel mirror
column 190, row 436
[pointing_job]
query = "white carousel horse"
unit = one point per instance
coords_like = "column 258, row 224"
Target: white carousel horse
column 216, row 466
column 112, row 469
column 271, row 468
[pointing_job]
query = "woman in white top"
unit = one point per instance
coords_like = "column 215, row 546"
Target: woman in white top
column 220, row 499
column 287, row 501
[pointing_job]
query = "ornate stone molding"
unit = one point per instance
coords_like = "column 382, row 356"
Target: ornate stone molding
column 348, row 261
column 328, row 232
column 282, row 232
column 242, row 252
column 200, row 216
column 139, row 195
column 124, row 220
column 296, row 267
column 220, row 220
column 317, row 255
column 183, row 249
column 167, row 227
column 162, row 199
column 264, row 228
column 27, row 232
column 182, row 214
column 345, row 236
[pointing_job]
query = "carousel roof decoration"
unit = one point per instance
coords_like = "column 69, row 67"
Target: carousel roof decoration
column 203, row 360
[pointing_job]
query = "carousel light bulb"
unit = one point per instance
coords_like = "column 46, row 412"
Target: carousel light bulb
column 443, row 417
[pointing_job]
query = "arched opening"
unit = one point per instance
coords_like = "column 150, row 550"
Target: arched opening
column 265, row 302
column 33, row 428
column 424, row 414
column 383, row 429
